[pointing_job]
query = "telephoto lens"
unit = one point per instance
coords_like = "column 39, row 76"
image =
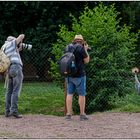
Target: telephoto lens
column 26, row 46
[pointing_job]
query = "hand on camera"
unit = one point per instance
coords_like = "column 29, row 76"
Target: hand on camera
column 86, row 46
column 20, row 47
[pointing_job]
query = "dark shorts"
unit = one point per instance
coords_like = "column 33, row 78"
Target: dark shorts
column 76, row 85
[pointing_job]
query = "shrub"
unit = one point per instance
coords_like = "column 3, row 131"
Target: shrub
column 112, row 54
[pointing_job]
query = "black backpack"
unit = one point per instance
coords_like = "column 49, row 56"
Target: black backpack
column 67, row 63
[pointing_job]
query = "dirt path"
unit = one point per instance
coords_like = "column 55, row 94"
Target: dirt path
column 101, row 125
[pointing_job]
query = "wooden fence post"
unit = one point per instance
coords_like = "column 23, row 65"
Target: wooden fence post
column 65, row 94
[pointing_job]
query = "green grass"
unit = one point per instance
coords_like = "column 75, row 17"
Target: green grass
column 48, row 99
column 130, row 103
column 38, row 98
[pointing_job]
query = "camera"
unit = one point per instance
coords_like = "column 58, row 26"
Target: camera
column 85, row 44
column 26, row 46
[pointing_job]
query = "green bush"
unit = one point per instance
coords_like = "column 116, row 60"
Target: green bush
column 112, row 54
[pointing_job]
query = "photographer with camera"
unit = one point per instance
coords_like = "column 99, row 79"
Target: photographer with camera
column 14, row 74
column 78, row 81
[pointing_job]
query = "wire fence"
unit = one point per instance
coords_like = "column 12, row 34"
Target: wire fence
column 101, row 91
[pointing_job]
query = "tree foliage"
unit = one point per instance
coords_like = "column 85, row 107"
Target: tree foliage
column 39, row 22
column 131, row 16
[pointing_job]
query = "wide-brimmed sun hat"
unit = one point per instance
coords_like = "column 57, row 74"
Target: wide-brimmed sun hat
column 78, row 37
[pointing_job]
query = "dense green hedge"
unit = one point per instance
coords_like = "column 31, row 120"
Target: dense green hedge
column 112, row 54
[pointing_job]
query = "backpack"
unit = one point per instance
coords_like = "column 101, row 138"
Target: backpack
column 4, row 59
column 67, row 63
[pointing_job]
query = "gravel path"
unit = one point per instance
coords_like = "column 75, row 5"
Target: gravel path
column 100, row 125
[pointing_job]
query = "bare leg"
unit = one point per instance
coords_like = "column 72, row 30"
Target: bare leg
column 69, row 104
column 82, row 104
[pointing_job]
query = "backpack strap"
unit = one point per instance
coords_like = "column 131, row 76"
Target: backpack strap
column 71, row 48
column 3, row 48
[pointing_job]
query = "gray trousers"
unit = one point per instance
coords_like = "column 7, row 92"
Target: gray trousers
column 14, row 87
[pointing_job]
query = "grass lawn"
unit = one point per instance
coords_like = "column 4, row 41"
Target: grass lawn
column 130, row 103
column 38, row 98
column 49, row 99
